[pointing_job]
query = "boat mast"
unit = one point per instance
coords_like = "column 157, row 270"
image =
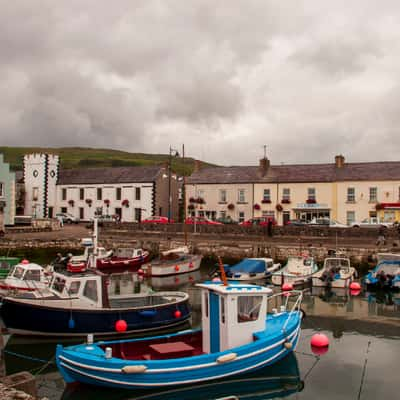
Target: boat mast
column 93, row 260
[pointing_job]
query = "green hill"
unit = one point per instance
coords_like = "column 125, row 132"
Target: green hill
column 75, row 157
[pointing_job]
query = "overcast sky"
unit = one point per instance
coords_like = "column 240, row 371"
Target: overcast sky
column 309, row 79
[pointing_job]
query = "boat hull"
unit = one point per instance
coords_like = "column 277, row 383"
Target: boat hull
column 279, row 279
column 40, row 320
column 159, row 268
column 87, row 364
column 337, row 283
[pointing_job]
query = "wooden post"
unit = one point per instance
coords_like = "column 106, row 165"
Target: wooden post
column 222, row 270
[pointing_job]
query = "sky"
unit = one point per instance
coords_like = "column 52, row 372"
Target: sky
column 308, row 79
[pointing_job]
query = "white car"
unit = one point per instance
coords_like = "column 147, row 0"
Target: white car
column 326, row 222
column 67, row 218
column 371, row 223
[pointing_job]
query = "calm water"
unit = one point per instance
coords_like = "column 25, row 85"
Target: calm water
column 361, row 362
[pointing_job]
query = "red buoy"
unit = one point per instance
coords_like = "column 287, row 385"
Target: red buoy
column 191, row 265
column 121, row 325
column 355, row 292
column 355, row 286
column 176, row 268
column 319, row 340
column 287, row 286
column 140, row 271
column 318, row 351
column 177, row 314
column 25, row 261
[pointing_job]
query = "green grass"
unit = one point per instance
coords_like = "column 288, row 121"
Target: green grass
column 81, row 157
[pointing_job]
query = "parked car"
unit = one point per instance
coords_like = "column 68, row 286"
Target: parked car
column 327, row 222
column 372, row 222
column 157, row 220
column 296, row 222
column 201, row 221
column 101, row 219
column 67, row 218
column 226, row 220
column 261, row 221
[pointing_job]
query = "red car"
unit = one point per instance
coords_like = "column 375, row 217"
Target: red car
column 157, row 220
column 201, row 221
column 262, row 221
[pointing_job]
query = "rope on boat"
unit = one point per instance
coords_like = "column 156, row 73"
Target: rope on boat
column 364, row 370
column 26, row 357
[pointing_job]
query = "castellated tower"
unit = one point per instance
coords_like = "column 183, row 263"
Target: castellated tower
column 40, row 177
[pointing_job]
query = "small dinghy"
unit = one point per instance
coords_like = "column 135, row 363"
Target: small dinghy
column 238, row 336
column 336, row 273
column 297, row 271
column 78, row 304
column 251, row 269
column 173, row 262
column 386, row 274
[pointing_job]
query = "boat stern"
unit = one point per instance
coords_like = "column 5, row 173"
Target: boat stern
column 63, row 371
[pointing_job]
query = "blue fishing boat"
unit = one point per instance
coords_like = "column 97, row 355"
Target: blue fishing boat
column 386, row 274
column 251, row 269
column 238, row 336
column 279, row 380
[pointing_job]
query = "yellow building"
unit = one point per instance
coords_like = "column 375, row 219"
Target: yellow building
column 346, row 192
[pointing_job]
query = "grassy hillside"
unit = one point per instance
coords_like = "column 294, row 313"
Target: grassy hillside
column 75, row 157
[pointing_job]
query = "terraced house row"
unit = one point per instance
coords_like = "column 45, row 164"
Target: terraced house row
column 345, row 192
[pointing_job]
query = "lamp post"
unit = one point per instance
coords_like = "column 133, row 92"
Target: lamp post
column 172, row 153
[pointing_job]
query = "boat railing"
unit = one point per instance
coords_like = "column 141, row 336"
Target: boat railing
column 294, row 296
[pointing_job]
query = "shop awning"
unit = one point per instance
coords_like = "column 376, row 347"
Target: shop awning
column 389, row 206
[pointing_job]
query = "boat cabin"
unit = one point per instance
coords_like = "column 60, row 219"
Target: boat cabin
column 87, row 287
column 26, row 271
column 337, row 265
column 231, row 314
column 127, row 253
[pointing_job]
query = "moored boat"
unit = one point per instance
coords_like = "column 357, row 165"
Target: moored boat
column 336, row 273
column 238, row 336
column 251, row 269
column 386, row 274
column 173, row 262
column 77, row 304
column 298, row 270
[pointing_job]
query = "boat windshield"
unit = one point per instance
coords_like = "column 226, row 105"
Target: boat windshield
column 18, row 272
column 58, row 284
column 249, row 308
column 388, row 268
column 337, row 263
column 32, row 275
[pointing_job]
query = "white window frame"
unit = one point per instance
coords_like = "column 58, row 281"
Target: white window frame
column 241, row 195
column 351, row 195
column 373, row 194
column 241, row 216
column 222, row 195
column 311, row 193
column 267, row 195
column 350, row 217
column 286, row 194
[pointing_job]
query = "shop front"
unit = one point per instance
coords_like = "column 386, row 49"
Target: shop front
column 388, row 212
column 306, row 212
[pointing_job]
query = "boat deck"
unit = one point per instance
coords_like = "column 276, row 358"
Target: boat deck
column 142, row 301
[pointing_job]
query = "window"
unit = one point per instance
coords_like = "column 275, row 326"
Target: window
column 311, row 194
column 1, row 189
column 389, row 216
column 285, row 194
column 249, row 308
column 350, row 217
column 222, row 214
column 269, row 213
column 81, row 194
column 206, row 303
column 81, row 213
column 351, row 195
column 138, row 214
column 99, row 194
column 241, row 216
column 118, row 193
column 63, row 194
column 267, row 195
column 137, row 193
column 74, row 287
column 90, row 290
column 241, row 196
column 222, row 309
column 373, row 194
column 58, row 284
column 32, row 275
column 222, row 196
column 63, row 209
column 35, row 194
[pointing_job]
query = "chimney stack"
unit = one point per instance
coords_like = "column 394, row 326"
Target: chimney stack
column 197, row 165
column 264, row 165
column 339, row 161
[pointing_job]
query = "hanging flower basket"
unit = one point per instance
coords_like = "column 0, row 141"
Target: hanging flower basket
column 200, row 200
column 192, row 200
column 311, row 201
column 125, row 203
column 89, row 202
column 231, row 206
column 279, row 207
column 191, row 207
column 285, row 201
column 257, row 207
column 378, row 206
column 107, row 202
column 71, row 202
column 266, row 201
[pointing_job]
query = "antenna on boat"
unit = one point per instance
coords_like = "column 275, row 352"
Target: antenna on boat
column 222, row 271
column 93, row 261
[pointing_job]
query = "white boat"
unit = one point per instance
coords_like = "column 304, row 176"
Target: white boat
column 297, row 271
column 23, row 277
column 250, row 269
column 173, row 262
column 336, row 273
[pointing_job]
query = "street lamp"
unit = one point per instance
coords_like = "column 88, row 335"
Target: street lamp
column 172, row 153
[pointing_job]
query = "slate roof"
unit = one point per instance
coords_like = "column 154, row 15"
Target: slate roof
column 373, row 171
column 108, row 175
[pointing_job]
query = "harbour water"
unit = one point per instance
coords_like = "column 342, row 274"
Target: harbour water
column 361, row 362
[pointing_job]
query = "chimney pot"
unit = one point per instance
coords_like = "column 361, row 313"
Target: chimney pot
column 264, row 165
column 339, row 161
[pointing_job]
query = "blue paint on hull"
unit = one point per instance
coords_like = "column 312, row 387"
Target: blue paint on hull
column 77, row 363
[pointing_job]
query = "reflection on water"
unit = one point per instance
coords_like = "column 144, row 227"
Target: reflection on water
column 278, row 381
column 350, row 321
